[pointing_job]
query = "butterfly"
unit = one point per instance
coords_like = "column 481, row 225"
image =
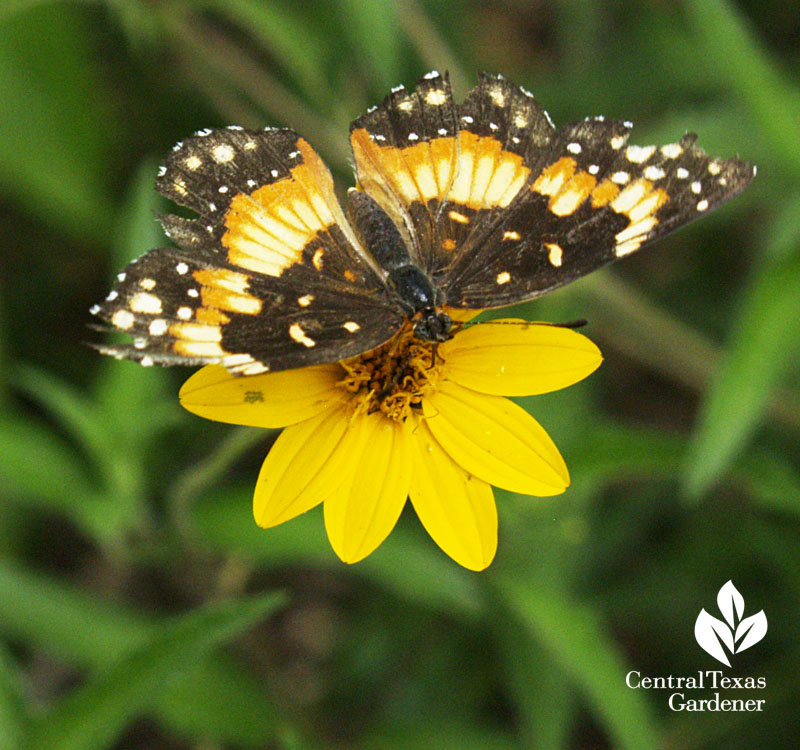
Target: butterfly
column 457, row 207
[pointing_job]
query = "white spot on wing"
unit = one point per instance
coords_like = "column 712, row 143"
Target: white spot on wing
column 142, row 302
column 574, row 148
column 193, row 162
column 222, row 153
column 158, row 327
column 504, row 277
column 654, row 173
column 123, row 319
column 555, row 253
column 617, row 142
column 497, row 96
column 436, row 97
column 297, row 334
column 638, row 154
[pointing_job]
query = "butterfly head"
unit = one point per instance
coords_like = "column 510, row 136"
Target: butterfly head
column 432, row 325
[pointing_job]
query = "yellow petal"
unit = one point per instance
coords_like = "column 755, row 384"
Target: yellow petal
column 274, row 399
column 305, row 465
column 456, row 509
column 496, row 440
column 515, row 358
column 362, row 512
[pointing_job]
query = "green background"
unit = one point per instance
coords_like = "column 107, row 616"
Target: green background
column 139, row 604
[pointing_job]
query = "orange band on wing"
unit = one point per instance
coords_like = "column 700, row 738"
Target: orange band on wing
column 474, row 171
column 269, row 228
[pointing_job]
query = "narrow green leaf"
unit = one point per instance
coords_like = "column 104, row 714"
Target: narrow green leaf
column 93, row 715
column 771, row 480
column 13, row 718
column 80, row 628
column 287, row 36
column 765, row 340
column 545, row 721
column 408, row 564
column 88, row 632
column 575, row 637
column 36, row 466
column 54, row 99
column 193, row 704
column 71, row 409
column 731, row 46
column 374, row 37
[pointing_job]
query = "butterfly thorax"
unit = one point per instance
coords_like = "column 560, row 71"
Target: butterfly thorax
column 414, row 290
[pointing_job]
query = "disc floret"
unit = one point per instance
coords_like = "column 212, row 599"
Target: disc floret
column 393, row 378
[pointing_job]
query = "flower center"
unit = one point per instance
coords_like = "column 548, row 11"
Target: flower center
column 394, row 377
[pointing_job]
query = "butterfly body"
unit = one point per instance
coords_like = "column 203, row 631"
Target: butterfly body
column 416, row 293
column 464, row 206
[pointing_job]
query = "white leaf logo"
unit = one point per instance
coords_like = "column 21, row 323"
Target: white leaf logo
column 734, row 634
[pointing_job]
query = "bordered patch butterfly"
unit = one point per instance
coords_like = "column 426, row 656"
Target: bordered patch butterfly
column 458, row 206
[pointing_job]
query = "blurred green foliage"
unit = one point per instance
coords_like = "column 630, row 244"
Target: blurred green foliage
column 139, row 604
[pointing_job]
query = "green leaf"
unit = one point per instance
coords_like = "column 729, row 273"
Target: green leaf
column 765, row 340
column 36, row 466
column 408, row 564
column 374, row 37
column 575, row 637
column 93, row 715
column 80, row 628
column 53, row 154
column 13, row 718
column 84, row 630
column 529, row 671
column 121, row 506
column 41, row 471
column 287, row 36
column 731, row 46
column 71, row 409
column 771, row 480
column 191, row 705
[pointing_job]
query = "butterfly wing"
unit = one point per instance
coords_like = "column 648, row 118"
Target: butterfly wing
column 269, row 276
column 593, row 200
column 500, row 207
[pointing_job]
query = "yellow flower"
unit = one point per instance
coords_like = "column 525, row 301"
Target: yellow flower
column 409, row 419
